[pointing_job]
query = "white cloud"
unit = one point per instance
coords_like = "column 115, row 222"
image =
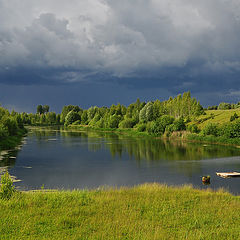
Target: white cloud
column 119, row 37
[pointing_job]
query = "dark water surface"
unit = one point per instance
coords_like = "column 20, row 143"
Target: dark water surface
column 62, row 159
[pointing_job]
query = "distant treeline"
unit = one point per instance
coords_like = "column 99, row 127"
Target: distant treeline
column 154, row 116
column 224, row 106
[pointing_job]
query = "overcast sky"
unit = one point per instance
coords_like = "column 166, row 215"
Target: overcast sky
column 99, row 52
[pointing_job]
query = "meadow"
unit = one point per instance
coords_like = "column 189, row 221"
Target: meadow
column 149, row 211
column 215, row 116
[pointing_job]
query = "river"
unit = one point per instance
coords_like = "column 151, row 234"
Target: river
column 63, row 159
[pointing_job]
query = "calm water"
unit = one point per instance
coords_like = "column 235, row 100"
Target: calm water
column 72, row 159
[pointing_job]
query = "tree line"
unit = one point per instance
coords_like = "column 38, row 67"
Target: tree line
column 153, row 116
column 224, row 106
column 140, row 115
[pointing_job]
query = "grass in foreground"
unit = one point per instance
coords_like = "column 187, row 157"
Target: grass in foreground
column 149, row 211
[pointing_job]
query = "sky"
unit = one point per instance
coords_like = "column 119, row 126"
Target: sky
column 102, row 52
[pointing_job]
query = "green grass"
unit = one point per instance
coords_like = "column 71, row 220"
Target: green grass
column 212, row 139
column 149, row 211
column 215, row 116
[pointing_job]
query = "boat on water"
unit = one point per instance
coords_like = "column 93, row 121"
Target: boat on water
column 228, row 174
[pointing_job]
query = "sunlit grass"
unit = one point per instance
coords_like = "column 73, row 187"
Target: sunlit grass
column 216, row 116
column 149, row 211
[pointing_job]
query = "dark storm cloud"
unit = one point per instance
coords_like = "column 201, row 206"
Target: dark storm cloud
column 174, row 45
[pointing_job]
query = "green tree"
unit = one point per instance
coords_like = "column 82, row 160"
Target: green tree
column 45, row 109
column 71, row 117
column 39, row 109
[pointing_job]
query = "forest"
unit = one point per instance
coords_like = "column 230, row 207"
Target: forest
column 153, row 116
column 182, row 113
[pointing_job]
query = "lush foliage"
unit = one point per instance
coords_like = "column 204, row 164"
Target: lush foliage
column 148, row 211
column 11, row 127
column 228, row 130
column 6, row 188
column 226, row 106
column 155, row 117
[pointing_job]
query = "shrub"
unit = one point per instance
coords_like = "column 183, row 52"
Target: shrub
column 211, row 129
column 6, row 189
column 170, row 128
column 127, row 123
column 233, row 117
column 11, row 125
column 3, row 131
column 149, row 127
column 193, row 128
column 179, row 125
column 231, row 130
column 141, row 127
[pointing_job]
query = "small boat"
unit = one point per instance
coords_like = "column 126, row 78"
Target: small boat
column 228, row 174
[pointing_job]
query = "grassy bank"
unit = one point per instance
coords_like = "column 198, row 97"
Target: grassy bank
column 215, row 116
column 12, row 141
column 212, row 139
column 182, row 135
column 149, row 211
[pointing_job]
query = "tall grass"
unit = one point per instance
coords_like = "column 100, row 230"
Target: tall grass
column 149, row 211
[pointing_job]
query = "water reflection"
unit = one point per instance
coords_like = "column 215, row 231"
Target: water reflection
column 76, row 159
column 142, row 148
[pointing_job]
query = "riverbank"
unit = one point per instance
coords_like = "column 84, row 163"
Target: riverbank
column 221, row 140
column 11, row 142
column 181, row 135
column 149, row 211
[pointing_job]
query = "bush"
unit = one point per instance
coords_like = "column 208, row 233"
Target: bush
column 158, row 127
column 233, row 117
column 6, row 189
column 3, row 131
column 149, row 127
column 11, row 125
column 179, row 125
column 211, row 129
column 127, row 123
column 170, row 128
column 231, row 130
column 141, row 127
column 193, row 128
